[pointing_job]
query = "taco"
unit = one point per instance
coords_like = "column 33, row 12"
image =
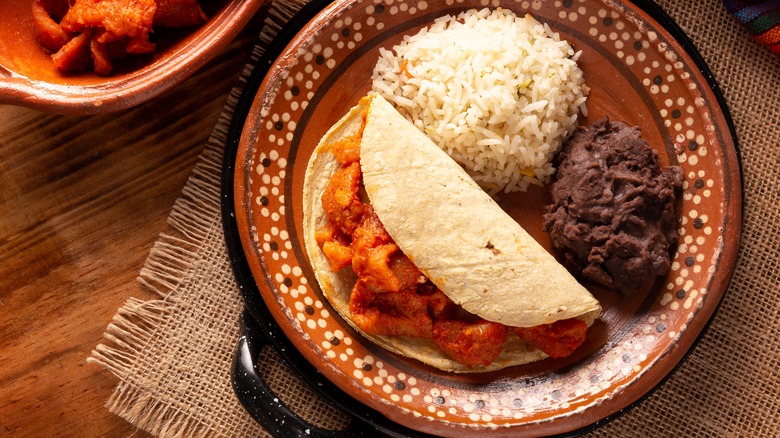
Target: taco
column 417, row 258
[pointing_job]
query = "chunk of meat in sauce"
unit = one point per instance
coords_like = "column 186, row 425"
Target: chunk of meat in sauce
column 101, row 59
column 406, row 272
column 558, row 339
column 470, row 343
column 74, row 55
column 401, row 313
column 341, row 201
column 339, row 255
column 342, row 205
column 346, row 150
column 118, row 19
column 377, row 260
column 372, row 266
column 48, row 31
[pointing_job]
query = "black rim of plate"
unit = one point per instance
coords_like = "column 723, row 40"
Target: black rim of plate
column 254, row 304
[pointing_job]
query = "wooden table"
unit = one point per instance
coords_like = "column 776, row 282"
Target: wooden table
column 82, row 200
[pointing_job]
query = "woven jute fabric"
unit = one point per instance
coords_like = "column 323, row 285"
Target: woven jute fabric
column 172, row 355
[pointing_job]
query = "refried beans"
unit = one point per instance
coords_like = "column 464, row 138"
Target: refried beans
column 612, row 213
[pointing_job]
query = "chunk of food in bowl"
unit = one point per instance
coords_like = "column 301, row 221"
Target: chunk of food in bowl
column 93, row 35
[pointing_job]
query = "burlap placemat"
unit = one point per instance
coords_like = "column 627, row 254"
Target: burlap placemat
column 172, row 355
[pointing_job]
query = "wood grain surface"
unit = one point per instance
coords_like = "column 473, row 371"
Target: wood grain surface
column 82, row 200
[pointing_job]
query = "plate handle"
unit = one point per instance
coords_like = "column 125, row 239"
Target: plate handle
column 263, row 404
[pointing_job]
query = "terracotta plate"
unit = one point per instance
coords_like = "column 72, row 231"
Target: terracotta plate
column 638, row 73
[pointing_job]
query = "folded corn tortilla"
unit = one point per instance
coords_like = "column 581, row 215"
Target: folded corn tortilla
column 453, row 231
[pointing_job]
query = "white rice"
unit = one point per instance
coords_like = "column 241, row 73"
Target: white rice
column 497, row 92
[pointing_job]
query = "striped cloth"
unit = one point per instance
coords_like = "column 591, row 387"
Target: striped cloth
column 761, row 18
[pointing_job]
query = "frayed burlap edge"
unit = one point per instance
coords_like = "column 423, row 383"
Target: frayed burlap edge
column 170, row 261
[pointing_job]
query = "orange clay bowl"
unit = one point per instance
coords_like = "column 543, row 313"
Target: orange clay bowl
column 28, row 76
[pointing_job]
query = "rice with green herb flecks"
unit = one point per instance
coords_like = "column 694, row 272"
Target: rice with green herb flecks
column 498, row 92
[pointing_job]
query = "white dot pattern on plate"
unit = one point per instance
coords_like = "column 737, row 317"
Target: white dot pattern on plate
column 656, row 65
